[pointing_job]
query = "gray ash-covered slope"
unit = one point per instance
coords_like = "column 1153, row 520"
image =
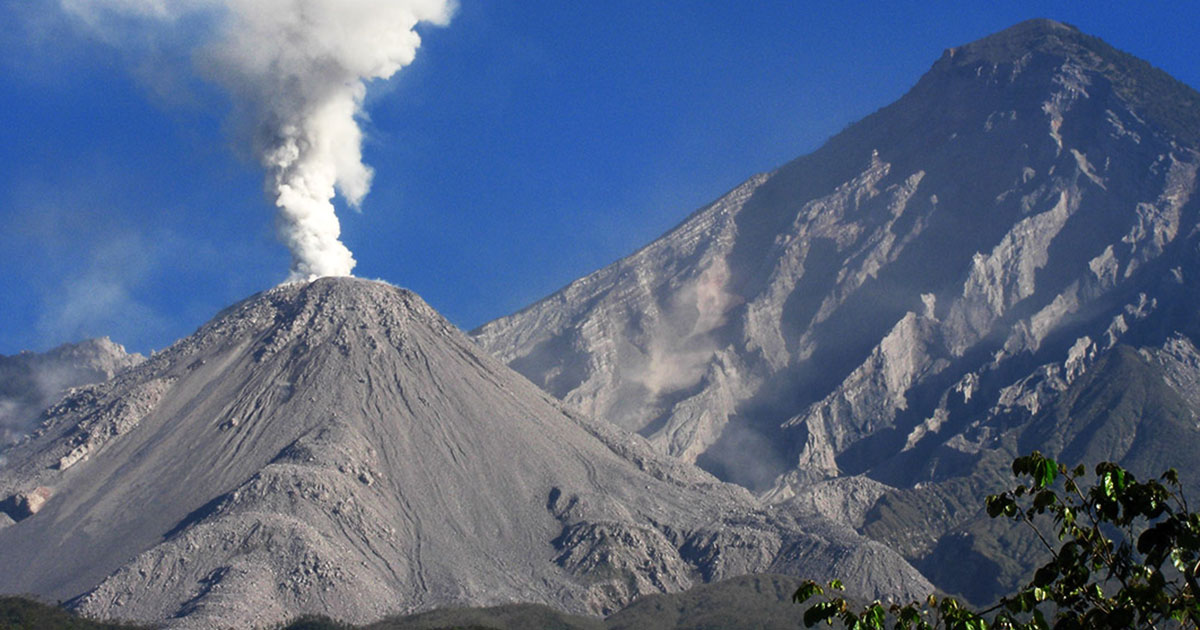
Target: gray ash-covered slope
column 873, row 330
column 337, row 447
column 30, row 381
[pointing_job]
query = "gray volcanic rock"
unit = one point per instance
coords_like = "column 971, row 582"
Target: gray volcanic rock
column 336, row 447
column 902, row 308
column 1029, row 191
column 30, row 382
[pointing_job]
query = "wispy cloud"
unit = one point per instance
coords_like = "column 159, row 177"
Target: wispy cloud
column 100, row 298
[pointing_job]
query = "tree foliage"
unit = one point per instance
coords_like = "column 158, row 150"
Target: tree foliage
column 1126, row 555
column 22, row 613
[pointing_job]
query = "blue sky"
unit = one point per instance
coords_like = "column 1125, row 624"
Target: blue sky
column 529, row 144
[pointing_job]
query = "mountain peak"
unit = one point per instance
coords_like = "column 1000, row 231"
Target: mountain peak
column 1149, row 92
column 329, row 313
column 333, row 297
column 1016, row 41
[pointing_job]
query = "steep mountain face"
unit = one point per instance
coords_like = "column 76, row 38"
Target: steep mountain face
column 30, row 382
column 872, row 331
column 336, row 447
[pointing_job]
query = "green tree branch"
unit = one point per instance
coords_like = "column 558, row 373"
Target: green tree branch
column 1091, row 580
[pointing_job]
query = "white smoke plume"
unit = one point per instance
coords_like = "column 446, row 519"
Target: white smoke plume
column 298, row 71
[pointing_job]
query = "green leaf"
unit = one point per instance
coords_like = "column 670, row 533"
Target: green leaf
column 806, row 591
column 836, row 585
column 1020, row 465
column 1046, row 473
column 1045, row 576
column 821, row 611
column 1039, row 620
column 1178, row 561
column 1171, row 477
column 1113, row 479
column 998, row 504
column 910, row 613
column 875, row 616
column 1044, row 499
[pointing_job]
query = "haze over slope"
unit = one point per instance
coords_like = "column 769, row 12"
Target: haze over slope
column 30, row 382
column 927, row 294
column 337, row 447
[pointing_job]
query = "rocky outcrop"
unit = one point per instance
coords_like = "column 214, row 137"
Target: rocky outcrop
column 22, row 505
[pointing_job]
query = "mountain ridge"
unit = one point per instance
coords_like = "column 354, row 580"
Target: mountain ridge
column 744, row 274
column 893, row 310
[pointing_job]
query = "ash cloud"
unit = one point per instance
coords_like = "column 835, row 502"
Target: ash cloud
column 680, row 352
column 29, row 389
column 14, row 422
column 31, row 382
column 298, row 71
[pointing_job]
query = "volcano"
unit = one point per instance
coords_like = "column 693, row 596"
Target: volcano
column 337, row 447
column 1005, row 259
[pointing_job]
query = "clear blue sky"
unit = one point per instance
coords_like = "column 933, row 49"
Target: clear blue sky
column 530, row 143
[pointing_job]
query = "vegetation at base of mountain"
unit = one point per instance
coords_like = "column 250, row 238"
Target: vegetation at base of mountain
column 1127, row 555
column 21, row 613
column 315, row 622
column 750, row 601
column 508, row 617
column 325, row 623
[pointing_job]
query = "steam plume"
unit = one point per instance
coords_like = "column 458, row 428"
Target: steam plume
column 298, row 73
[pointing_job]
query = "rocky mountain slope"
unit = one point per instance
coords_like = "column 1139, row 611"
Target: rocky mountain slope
column 873, row 331
column 336, row 447
column 30, row 381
